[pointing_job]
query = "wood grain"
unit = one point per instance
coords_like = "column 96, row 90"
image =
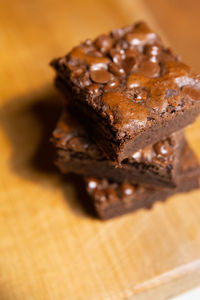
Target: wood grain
column 50, row 247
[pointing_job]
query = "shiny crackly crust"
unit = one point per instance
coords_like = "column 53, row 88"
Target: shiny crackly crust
column 128, row 77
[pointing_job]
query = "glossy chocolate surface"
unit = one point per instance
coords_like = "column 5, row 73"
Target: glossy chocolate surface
column 129, row 78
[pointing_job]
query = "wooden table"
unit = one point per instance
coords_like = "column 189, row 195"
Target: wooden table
column 50, row 248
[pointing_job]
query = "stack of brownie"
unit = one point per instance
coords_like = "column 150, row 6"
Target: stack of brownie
column 128, row 100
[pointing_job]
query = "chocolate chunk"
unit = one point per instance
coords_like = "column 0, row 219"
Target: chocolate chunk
column 137, row 80
column 94, row 53
column 152, row 50
column 128, row 64
column 111, row 85
column 77, row 72
column 97, row 63
column 116, row 70
column 104, row 43
column 135, row 38
column 100, row 76
column 163, row 148
column 117, row 55
column 131, row 52
column 84, row 80
column 111, row 195
column 92, row 183
column 149, row 69
column 100, row 196
column 94, row 89
column 77, row 53
column 138, row 38
column 127, row 189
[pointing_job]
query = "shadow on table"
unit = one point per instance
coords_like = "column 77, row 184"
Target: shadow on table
column 28, row 122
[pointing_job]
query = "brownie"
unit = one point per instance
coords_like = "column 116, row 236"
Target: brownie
column 111, row 199
column 130, row 90
column 77, row 153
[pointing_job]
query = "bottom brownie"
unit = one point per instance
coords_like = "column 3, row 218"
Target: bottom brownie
column 112, row 199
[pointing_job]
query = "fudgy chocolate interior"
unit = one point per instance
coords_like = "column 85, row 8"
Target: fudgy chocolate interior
column 71, row 135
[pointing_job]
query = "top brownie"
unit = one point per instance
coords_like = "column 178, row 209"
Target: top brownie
column 130, row 89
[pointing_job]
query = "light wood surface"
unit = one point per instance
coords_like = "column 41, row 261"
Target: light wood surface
column 50, row 248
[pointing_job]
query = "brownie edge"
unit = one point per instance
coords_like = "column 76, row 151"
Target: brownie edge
column 77, row 153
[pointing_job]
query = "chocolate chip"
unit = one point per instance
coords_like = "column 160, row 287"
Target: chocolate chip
column 111, row 85
column 135, row 38
column 127, row 189
column 100, row 196
column 100, row 76
column 94, row 89
column 131, row 52
column 116, row 70
column 104, row 43
column 128, row 64
column 110, row 195
column 140, row 37
column 152, row 50
column 163, row 148
column 72, row 64
column 136, row 80
column 77, row 72
column 117, row 55
column 94, row 53
column 121, row 45
column 77, row 53
column 192, row 92
column 97, row 62
column 136, row 155
column 92, row 183
column 84, row 80
column 149, row 69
